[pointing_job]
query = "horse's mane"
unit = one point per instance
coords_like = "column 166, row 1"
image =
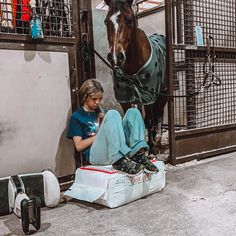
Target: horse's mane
column 119, row 5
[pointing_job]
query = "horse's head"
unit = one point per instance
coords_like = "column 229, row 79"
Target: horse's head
column 120, row 23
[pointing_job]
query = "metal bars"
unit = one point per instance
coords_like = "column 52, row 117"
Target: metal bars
column 214, row 104
column 216, row 18
column 55, row 15
column 201, row 78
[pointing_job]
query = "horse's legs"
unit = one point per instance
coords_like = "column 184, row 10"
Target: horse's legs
column 159, row 107
column 153, row 121
column 149, row 123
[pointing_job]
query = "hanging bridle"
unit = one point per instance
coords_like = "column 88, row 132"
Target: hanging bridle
column 210, row 77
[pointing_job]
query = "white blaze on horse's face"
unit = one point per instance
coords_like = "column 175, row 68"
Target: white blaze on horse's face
column 116, row 54
column 114, row 20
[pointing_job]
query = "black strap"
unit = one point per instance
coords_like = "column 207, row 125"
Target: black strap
column 18, row 184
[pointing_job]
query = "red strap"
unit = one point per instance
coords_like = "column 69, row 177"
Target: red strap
column 98, row 170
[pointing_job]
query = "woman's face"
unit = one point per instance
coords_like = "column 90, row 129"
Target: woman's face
column 93, row 101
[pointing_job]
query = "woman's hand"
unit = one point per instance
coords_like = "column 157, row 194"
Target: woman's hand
column 100, row 117
column 81, row 144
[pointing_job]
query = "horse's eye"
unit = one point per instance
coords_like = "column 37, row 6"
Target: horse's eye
column 105, row 21
column 129, row 21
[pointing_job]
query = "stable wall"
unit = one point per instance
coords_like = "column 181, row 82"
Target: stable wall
column 35, row 105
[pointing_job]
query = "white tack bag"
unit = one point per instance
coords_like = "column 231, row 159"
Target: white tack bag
column 108, row 187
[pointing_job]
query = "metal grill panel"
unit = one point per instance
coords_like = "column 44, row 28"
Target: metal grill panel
column 56, row 17
column 216, row 17
column 213, row 106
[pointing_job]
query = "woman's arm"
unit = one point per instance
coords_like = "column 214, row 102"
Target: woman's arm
column 81, row 144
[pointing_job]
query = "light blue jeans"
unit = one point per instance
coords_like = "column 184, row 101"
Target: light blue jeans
column 117, row 138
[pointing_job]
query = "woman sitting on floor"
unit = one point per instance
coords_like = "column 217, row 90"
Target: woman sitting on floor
column 108, row 139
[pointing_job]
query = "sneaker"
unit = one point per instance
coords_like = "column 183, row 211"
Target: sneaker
column 141, row 159
column 127, row 166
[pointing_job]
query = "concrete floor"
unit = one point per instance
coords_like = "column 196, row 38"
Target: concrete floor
column 199, row 199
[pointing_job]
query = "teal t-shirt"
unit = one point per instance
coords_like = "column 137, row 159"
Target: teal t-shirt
column 83, row 124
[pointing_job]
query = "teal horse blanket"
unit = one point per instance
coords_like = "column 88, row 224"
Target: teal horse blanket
column 144, row 86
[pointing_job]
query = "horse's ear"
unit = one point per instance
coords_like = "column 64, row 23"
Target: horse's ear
column 107, row 2
column 130, row 2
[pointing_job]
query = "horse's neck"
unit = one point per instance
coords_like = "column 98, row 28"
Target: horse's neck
column 138, row 52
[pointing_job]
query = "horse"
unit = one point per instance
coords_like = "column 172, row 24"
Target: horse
column 138, row 63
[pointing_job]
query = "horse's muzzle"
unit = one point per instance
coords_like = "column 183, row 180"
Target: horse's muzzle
column 118, row 60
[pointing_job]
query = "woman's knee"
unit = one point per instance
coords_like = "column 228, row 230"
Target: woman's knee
column 112, row 114
column 133, row 112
